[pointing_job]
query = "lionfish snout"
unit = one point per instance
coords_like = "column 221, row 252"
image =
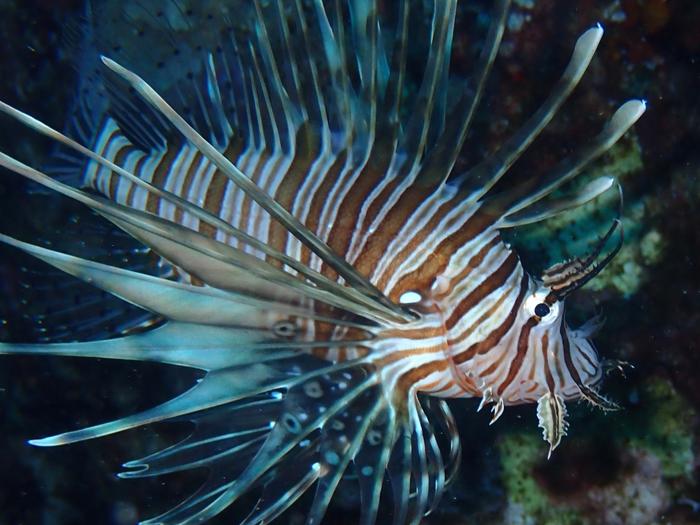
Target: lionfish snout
column 565, row 367
column 580, row 371
column 548, row 357
column 560, row 361
column 564, row 364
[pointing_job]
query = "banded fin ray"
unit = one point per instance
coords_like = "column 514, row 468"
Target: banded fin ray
column 220, row 261
column 52, row 307
column 285, row 484
column 438, row 165
column 372, row 461
column 440, row 414
column 298, row 420
column 482, row 177
column 214, row 438
column 251, row 189
column 173, row 300
column 417, row 468
column 424, row 118
column 310, row 274
column 364, row 288
column 143, row 226
column 299, row 453
column 527, row 202
column 534, row 191
column 389, row 120
column 545, row 209
column 435, row 466
column 341, row 439
column 190, row 345
column 214, row 390
column 400, row 474
column 240, row 365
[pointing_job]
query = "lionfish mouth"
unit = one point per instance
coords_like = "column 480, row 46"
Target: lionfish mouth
column 588, row 389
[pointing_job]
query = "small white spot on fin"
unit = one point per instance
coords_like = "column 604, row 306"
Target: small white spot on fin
column 410, row 298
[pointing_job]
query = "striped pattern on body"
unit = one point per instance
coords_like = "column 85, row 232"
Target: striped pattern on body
column 446, row 251
column 366, row 204
column 439, row 243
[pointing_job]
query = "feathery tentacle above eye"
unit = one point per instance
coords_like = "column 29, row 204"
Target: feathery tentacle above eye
column 564, row 278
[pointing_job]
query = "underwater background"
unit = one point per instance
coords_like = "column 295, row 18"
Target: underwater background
column 635, row 466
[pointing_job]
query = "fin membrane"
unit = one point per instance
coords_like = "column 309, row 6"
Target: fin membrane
column 43, row 304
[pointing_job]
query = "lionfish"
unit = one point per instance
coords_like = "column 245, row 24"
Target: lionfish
column 332, row 276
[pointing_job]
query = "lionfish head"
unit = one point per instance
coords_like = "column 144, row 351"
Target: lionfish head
column 565, row 364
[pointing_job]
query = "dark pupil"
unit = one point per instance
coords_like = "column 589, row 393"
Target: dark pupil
column 541, row 310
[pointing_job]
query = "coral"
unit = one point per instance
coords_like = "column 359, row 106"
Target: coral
column 627, row 478
column 528, row 503
column 633, row 492
column 631, row 267
column 637, row 498
column 668, row 429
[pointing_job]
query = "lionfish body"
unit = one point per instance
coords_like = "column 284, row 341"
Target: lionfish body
column 325, row 272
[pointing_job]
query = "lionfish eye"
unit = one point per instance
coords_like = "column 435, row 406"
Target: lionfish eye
column 284, row 329
column 542, row 310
